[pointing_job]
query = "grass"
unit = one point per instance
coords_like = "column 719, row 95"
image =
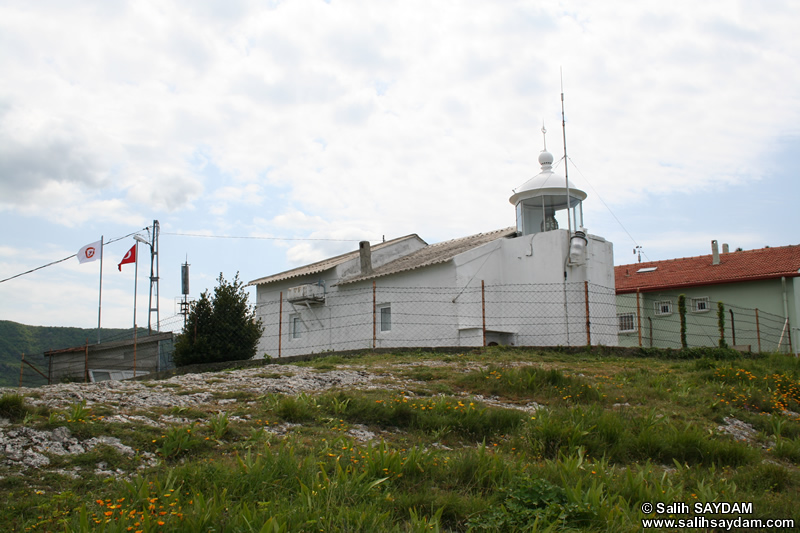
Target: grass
column 455, row 455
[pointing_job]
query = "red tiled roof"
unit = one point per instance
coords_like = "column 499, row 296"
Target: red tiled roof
column 749, row 265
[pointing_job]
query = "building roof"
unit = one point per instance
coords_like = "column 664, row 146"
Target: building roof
column 433, row 254
column 325, row 264
column 110, row 345
column 749, row 265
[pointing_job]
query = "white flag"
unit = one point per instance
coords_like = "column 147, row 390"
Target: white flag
column 90, row 252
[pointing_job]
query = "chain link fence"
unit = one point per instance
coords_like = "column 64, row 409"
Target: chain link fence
column 118, row 355
column 370, row 317
column 571, row 314
column 657, row 323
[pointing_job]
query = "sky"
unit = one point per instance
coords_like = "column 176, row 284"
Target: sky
column 264, row 135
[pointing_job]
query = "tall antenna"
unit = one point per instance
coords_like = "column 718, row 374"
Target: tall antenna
column 564, row 133
column 153, row 280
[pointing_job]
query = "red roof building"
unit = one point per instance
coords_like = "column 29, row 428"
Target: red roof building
column 732, row 267
column 759, row 291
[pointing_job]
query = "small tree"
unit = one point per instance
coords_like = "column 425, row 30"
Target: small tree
column 222, row 328
column 682, row 314
column 721, row 324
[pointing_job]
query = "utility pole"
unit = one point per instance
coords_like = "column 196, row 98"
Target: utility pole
column 153, row 279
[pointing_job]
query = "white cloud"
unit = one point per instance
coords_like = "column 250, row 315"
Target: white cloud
column 362, row 119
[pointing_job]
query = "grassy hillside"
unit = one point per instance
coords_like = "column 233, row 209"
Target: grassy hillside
column 491, row 440
column 33, row 341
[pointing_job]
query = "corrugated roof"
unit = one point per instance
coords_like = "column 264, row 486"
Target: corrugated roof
column 433, row 254
column 749, row 265
column 325, row 264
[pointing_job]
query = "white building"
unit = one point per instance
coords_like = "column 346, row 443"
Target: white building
column 529, row 285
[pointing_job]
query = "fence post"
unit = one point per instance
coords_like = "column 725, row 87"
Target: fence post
column 733, row 328
column 374, row 321
column 588, row 323
column 638, row 318
column 483, row 311
column 280, row 324
column 758, row 331
column 86, row 362
column 21, row 366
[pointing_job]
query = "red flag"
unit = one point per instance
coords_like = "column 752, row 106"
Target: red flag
column 130, row 257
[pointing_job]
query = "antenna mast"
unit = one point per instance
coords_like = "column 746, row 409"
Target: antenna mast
column 153, row 280
column 564, row 133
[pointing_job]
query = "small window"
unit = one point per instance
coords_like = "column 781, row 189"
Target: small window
column 295, row 326
column 700, row 305
column 626, row 322
column 386, row 317
column 663, row 308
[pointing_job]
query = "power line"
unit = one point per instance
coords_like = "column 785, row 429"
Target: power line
column 66, row 258
column 257, row 238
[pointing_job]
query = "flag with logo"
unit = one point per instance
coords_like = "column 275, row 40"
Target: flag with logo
column 90, row 252
column 130, row 257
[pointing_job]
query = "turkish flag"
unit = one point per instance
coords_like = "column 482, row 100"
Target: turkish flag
column 130, row 257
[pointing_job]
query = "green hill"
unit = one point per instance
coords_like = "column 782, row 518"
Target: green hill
column 33, row 341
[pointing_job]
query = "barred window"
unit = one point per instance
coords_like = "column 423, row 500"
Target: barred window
column 664, row 308
column 700, row 305
column 626, row 322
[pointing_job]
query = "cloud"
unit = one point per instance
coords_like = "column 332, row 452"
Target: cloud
column 360, row 119
column 36, row 152
column 167, row 192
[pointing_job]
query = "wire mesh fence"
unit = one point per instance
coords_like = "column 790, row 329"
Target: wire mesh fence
column 657, row 323
column 398, row 317
column 370, row 317
column 117, row 355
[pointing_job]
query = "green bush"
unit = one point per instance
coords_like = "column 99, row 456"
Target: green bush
column 218, row 329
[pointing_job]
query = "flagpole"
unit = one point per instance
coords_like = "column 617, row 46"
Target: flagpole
column 100, row 297
column 135, row 283
column 135, row 290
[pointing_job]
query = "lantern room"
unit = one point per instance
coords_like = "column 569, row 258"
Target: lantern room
column 540, row 199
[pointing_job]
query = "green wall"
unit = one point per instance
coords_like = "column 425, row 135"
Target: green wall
column 702, row 327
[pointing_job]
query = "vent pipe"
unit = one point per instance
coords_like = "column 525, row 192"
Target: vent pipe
column 365, row 254
column 714, row 252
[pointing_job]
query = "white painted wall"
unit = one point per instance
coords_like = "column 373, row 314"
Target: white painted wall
column 528, row 301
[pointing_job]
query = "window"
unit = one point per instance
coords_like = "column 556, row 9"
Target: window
column 664, row 308
column 385, row 317
column 295, row 326
column 626, row 322
column 700, row 305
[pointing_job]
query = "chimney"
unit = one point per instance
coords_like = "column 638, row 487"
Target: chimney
column 725, row 248
column 366, row 257
column 714, row 252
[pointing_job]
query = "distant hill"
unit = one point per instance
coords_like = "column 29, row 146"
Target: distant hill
column 33, row 341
